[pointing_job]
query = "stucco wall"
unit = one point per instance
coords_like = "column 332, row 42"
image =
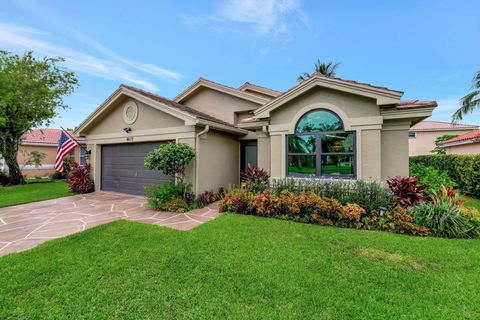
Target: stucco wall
column 394, row 151
column 424, row 142
column 352, row 105
column 263, row 151
column 148, row 118
column 471, row 148
column 48, row 163
column 218, row 157
column 370, row 154
column 218, row 104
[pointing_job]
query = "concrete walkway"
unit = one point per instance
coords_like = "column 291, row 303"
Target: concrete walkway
column 25, row 226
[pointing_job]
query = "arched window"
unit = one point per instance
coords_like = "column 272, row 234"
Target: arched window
column 321, row 147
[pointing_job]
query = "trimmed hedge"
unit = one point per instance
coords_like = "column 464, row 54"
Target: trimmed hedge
column 463, row 169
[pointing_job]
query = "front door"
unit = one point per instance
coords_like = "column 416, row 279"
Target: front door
column 248, row 154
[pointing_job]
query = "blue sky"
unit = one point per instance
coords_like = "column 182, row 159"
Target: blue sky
column 428, row 49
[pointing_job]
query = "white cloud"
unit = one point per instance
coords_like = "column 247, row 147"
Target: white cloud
column 117, row 69
column 269, row 19
column 267, row 16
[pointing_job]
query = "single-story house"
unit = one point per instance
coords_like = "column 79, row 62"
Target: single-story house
column 422, row 136
column 46, row 141
column 468, row 143
column 324, row 127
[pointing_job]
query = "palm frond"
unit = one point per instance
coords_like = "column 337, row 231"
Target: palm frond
column 468, row 104
column 476, row 81
column 304, row 76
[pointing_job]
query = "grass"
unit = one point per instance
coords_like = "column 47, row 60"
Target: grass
column 242, row 267
column 31, row 192
column 472, row 202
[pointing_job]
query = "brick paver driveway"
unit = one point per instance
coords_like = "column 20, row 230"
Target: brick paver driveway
column 26, row 226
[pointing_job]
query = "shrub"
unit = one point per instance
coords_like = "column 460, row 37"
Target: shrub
column 4, row 179
column 405, row 190
column 430, row 176
column 255, row 179
column 237, row 201
column 370, row 195
column 171, row 158
column 208, row 197
column 353, row 212
column 79, row 179
column 396, row 220
column 161, row 194
column 174, row 205
column 464, row 170
column 444, row 220
column 57, row 176
column 309, row 207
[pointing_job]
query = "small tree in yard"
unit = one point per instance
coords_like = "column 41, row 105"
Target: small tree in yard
column 172, row 159
column 31, row 92
column 439, row 149
column 33, row 158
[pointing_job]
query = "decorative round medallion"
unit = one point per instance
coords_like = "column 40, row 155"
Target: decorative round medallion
column 130, row 112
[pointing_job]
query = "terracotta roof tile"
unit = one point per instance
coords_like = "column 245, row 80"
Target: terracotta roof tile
column 439, row 125
column 272, row 91
column 408, row 104
column 474, row 136
column 46, row 136
column 175, row 105
column 356, row 82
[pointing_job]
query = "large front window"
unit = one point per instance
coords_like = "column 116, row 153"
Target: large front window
column 321, row 147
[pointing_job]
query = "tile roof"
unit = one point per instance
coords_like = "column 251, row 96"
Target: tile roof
column 178, row 106
column 473, row 136
column 318, row 74
column 439, row 125
column 409, row 104
column 46, row 136
column 246, row 85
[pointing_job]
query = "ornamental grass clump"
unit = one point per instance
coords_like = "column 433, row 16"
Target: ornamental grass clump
column 445, row 220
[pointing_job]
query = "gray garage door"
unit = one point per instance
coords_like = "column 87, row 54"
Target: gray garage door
column 123, row 169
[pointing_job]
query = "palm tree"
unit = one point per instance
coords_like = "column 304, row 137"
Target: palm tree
column 470, row 102
column 328, row 69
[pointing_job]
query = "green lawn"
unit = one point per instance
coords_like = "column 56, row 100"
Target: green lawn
column 242, row 267
column 31, row 192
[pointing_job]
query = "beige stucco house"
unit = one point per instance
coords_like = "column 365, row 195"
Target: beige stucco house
column 422, row 136
column 322, row 127
column 468, row 143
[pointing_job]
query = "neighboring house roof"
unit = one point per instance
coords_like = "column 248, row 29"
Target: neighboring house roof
column 204, row 83
column 469, row 137
column 180, row 111
column 383, row 96
column 46, row 136
column 441, row 126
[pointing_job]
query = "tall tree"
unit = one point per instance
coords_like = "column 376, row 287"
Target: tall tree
column 471, row 101
column 31, row 92
column 328, row 69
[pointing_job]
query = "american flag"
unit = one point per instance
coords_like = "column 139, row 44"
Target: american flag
column 65, row 145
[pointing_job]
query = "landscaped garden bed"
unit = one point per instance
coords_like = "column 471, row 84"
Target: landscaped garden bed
column 404, row 207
